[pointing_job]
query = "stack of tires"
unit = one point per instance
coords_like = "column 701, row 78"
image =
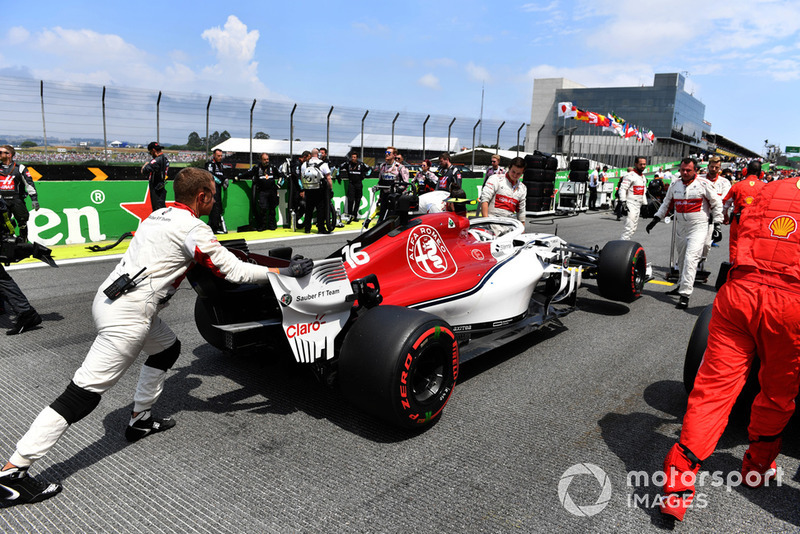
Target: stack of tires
column 539, row 180
column 579, row 170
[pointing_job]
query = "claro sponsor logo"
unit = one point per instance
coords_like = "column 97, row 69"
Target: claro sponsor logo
column 427, row 254
column 302, row 329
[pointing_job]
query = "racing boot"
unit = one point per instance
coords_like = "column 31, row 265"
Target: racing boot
column 18, row 487
column 143, row 424
column 680, row 467
column 25, row 321
column 758, row 464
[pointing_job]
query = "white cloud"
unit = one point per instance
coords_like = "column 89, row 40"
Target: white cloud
column 443, row 62
column 478, row 73
column 233, row 42
column 538, row 6
column 602, row 75
column 17, row 35
column 430, row 81
column 371, row 28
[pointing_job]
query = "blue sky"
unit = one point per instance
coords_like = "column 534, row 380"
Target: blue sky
column 742, row 56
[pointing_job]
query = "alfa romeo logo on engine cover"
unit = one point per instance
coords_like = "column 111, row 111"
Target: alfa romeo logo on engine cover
column 427, row 254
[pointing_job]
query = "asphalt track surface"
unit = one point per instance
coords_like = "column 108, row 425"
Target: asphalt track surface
column 261, row 446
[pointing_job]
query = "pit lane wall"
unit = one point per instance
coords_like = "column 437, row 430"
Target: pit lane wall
column 92, row 210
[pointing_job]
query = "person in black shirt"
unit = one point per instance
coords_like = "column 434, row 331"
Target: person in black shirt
column 15, row 184
column 27, row 317
column 449, row 176
column 265, row 193
column 354, row 171
column 156, row 171
column 214, row 166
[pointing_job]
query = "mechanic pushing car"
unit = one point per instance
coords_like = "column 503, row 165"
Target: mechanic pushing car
column 756, row 314
column 125, row 312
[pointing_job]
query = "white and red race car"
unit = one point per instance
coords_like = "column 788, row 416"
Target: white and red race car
column 391, row 315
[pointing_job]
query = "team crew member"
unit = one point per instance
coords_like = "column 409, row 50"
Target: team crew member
column 157, row 173
column 166, row 244
column 27, row 317
column 354, row 171
column 504, row 195
column 594, row 181
column 390, row 172
column 426, row 179
column 741, row 195
column 215, row 219
column 695, row 202
column 721, row 186
column 449, row 177
column 631, row 195
column 265, row 193
column 316, row 177
column 15, row 184
column 493, row 169
column 756, row 315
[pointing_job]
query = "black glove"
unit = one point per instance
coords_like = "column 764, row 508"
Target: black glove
column 298, row 267
column 652, row 224
column 716, row 235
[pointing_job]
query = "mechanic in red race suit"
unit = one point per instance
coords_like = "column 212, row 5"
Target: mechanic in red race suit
column 741, row 195
column 165, row 246
column 15, row 184
column 756, row 315
column 390, row 172
column 631, row 194
column 157, row 173
column 695, row 202
column 504, row 194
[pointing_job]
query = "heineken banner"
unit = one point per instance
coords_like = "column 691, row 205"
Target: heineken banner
column 75, row 212
column 86, row 211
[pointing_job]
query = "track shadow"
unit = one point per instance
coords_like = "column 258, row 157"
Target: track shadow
column 639, row 441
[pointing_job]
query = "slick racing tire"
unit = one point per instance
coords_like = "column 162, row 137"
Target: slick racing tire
column 399, row 364
column 696, row 348
column 621, row 270
column 695, row 351
column 203, row 321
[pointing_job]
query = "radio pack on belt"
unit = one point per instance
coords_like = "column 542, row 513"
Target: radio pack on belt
column 122, row 285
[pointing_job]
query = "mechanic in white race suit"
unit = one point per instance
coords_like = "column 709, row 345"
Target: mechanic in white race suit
column 695, row 202
column 721, row 186
column 504, row 194
column 631, row 194
column 165, row 246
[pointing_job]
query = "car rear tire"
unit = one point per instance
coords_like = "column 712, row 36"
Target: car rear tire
column 621, row 270
column 695, row 351
column 399, row 364
column 696, row 348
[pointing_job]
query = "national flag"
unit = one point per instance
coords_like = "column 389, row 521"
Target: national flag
column 630, row 131
column 650, row 136
column 566, row 110
column 582, row 115
column 604, row 121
